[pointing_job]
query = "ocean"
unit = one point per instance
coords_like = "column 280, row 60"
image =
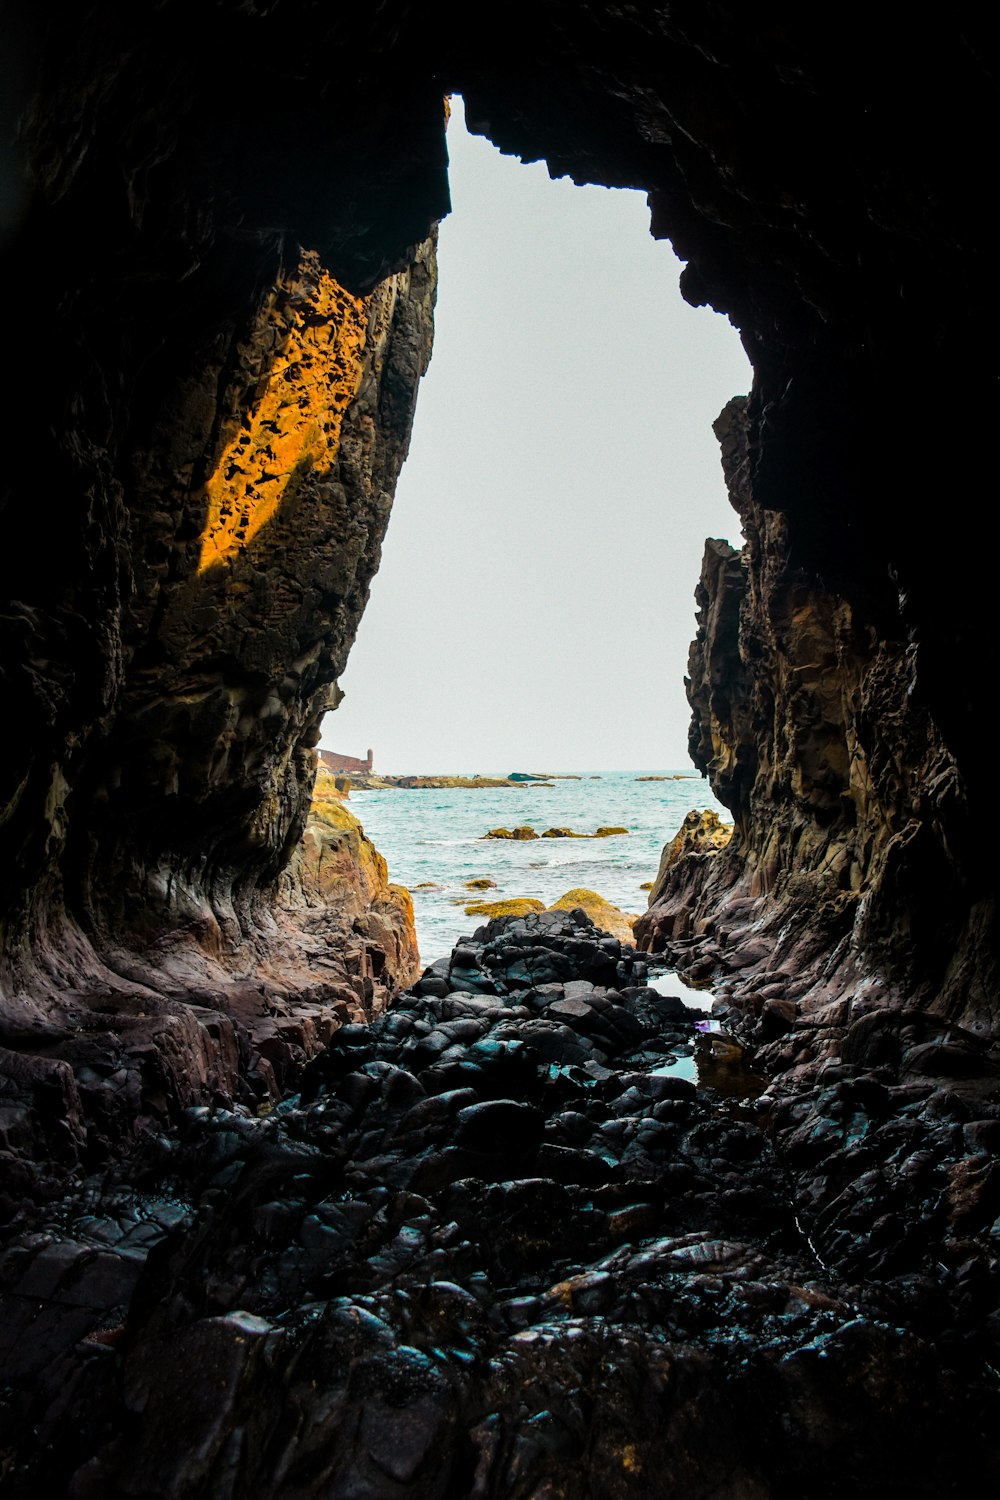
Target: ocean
column 432, row 841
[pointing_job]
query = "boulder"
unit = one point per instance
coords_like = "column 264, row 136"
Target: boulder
column 517, row 906
column 603, row 915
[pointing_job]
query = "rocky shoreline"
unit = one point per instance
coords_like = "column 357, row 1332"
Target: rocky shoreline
column 524, row 831
column 498, row 1246
column 609, row 918
column 130, row 1040
column 372, row 782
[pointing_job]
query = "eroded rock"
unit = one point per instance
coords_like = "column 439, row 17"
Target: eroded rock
column 501, row 1225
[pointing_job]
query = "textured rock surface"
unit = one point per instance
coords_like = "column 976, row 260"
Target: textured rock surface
column 851, row 873
column 608, row 918
column 602, row 913
column 514, row 906
column 780, row 158
column 143, row 967
column 502, row 1248
column 109, row 1063
column 700, row 833
column 337, row 887
column 258, row 511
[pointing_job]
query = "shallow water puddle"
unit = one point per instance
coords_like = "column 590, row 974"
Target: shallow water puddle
column 731, row 1077
column 666, row 982
column 717, row 1062
column 728, row 1074
column 681, row 1067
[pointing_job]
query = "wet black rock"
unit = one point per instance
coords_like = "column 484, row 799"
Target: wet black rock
column 500, row 1246
column 500, row 1125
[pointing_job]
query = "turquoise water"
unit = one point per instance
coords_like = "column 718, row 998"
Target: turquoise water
column 436, row 836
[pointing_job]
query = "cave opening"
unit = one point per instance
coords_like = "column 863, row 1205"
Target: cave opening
column 563, row 446
column 284, row 1215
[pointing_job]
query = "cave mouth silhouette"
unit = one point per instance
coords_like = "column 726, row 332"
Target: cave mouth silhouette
column 563, row 1283
column 563, row 443
column 179, row 743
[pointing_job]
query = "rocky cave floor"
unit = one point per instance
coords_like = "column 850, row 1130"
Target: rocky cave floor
column 497, row 1247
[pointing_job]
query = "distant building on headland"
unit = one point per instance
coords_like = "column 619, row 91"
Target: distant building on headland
column 334, row 762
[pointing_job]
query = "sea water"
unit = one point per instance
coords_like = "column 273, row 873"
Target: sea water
column 433, row 842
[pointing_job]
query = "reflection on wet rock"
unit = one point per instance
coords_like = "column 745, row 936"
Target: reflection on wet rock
column 502, row 1245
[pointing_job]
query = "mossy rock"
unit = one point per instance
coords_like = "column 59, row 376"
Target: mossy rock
column 521, row 832
column 571, row 833
column 609, row 918
column 483, row 883
column 519, row 906
column 701, row 833
column 647, row 885
column 327, row 788
column 428, row 885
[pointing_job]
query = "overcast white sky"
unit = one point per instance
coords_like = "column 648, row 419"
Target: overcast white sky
column 535, row 600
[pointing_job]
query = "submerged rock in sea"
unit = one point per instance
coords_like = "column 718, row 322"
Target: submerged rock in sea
column 516, row 906
column 525, row 832
column 570, row 833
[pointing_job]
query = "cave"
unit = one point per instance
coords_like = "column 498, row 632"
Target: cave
column 244, row 1167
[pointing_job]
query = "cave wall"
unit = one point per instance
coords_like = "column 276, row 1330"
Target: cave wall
column 209, row 430
column 252, row 517
column 204, row 185
column 818, row 174
column 187, row 356
column 268, row 483
column 854, row 847
column 147, row 967
column 231, row 200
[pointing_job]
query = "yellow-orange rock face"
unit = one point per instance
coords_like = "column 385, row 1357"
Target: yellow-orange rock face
column 337, row 886
column 293, row 421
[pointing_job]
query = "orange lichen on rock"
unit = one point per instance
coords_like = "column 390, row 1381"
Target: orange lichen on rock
column 294, row 423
